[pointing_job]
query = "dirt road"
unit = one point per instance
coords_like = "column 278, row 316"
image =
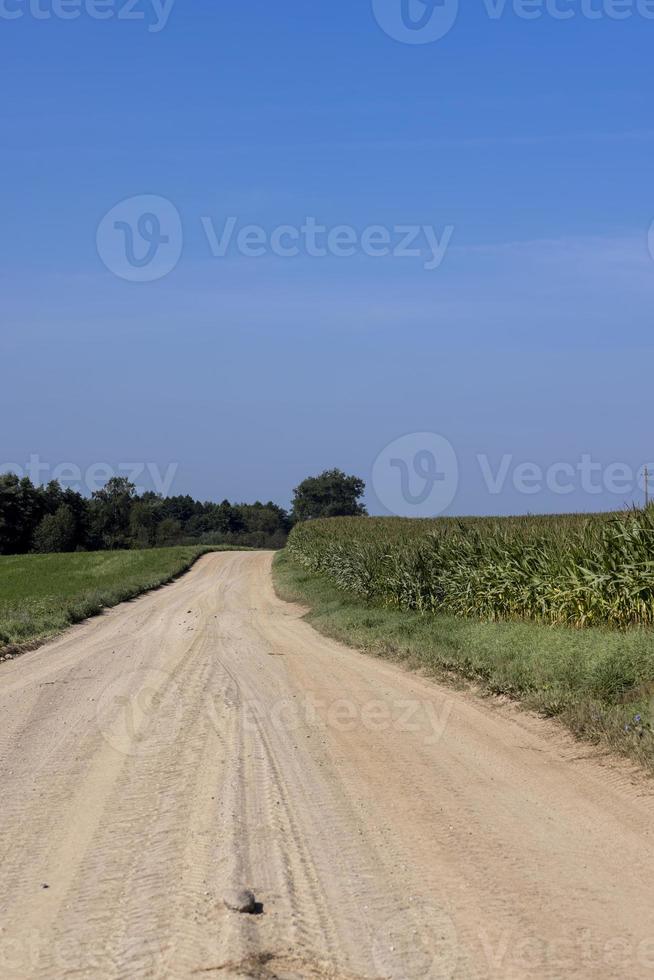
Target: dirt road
column 203, row 737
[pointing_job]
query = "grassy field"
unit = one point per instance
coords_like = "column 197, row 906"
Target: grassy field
column 598, row 681
column 40, row 595
column 572, row 569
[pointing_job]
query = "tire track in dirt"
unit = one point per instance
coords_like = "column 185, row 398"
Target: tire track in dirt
column 204, row 736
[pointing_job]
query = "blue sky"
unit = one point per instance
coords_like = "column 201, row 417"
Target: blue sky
column 530, row 139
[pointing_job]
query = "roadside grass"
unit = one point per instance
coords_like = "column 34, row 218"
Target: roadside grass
column 40, row 595
column 598, row 682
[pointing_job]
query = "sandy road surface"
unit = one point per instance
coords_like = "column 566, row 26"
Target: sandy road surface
column 204, row 736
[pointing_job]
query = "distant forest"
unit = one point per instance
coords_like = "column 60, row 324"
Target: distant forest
column 51, row 518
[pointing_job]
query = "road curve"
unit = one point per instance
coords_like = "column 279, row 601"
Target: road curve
column 204, row 737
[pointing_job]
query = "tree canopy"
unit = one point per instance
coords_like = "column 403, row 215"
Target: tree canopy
column 51, row 518
column 331, row 494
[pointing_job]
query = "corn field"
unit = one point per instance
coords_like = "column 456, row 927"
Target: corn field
column 570, row 569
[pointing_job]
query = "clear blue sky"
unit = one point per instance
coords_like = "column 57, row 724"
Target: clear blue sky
column 532, row 139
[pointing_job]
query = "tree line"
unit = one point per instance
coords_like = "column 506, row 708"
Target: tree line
column 51, row 518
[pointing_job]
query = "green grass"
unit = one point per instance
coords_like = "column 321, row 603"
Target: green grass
column 40, row 595
column 596, row 681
